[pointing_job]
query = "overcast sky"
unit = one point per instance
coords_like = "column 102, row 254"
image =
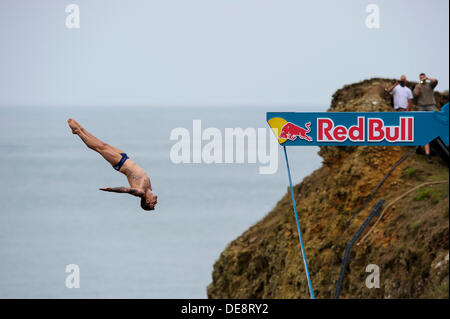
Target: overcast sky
column 212, row 52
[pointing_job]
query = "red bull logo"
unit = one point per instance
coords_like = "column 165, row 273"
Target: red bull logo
column 291, row 131
column 361, row 130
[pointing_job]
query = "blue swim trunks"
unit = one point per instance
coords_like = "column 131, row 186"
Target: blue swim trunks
column 122, row 160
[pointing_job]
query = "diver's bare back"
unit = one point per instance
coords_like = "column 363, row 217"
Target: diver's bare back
column 138, row 179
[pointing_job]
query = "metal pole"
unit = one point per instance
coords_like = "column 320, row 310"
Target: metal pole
column 311, row 292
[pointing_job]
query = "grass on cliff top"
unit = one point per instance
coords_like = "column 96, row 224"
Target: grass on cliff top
column 420, row 171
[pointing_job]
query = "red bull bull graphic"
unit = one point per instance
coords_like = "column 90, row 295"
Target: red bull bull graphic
column 291, row 131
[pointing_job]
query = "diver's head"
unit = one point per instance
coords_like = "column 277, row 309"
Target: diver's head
column 149, row 200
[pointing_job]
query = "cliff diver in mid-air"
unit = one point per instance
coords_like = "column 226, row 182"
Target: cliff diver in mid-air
column 140, row 185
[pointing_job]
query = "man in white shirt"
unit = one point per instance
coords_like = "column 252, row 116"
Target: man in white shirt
column 402, row 94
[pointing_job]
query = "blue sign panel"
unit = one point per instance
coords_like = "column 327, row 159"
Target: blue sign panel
column 359, row 128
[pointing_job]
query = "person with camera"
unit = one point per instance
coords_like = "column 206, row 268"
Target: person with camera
column 402, row 95
column 424, row 92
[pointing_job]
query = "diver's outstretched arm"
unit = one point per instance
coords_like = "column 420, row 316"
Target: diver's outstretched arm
column 132, row 191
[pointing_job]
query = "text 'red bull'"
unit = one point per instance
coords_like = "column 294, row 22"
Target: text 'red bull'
column 377, row 131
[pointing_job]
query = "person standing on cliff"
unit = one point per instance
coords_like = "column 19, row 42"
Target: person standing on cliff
column 402, row 95
column 424, row 92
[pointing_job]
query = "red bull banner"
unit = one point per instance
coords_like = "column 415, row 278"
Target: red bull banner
column 359, row 128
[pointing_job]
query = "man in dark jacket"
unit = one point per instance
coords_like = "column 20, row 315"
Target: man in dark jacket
column 424, row 92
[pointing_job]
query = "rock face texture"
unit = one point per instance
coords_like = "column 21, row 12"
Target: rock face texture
column 410, row 244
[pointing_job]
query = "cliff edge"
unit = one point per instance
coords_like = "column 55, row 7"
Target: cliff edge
column 410, row 243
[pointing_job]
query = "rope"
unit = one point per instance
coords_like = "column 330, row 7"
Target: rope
column 311, row 292
column 366, row 201
column 393, row 202
column 374, row 212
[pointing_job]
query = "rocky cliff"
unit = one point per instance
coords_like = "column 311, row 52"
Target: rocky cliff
column 410, row 243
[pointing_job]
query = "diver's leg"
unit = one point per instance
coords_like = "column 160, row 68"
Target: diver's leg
column 109, row 153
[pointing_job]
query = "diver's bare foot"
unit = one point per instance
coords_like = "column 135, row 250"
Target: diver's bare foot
column 74, row 126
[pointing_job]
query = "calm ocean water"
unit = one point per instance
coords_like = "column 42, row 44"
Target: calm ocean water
column 52, row 213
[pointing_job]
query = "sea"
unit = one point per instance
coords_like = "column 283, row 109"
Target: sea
column 52, row 215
